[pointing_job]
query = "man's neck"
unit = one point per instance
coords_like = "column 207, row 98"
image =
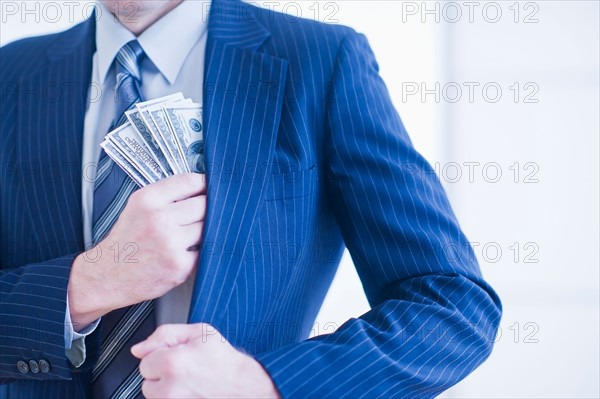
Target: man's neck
column 139, row 15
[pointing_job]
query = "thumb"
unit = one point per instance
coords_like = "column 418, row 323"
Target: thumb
column 167, row 335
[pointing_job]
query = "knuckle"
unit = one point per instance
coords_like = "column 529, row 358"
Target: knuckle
column 143, row 368
column 190, row 179
column 162, row 331
column 157, row 390
column 201, row 328
column 146, row 389
column 141, row 199
column 137, row 195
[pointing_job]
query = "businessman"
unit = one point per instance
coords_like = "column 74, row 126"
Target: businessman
column 207, row 285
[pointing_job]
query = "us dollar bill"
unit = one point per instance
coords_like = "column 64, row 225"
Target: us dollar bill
column 124, row 163
column 162, row 137
column 173, row 156
column 185, row 121
column 127, row 139
column 139, row 117
column 159, row 157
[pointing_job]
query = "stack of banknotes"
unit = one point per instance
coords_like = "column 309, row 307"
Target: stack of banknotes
column 161, row 137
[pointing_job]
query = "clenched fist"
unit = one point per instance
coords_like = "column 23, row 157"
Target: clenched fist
column 159, row 229
column 196, row 361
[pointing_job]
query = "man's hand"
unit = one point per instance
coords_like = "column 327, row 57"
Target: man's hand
column 151, row 249
column 195, row 361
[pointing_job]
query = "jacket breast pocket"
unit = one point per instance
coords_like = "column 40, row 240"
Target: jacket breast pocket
column 292, row 184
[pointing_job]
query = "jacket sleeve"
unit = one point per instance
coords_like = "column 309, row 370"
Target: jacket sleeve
column 33, row 295
column 433, row 318
column 32, row 319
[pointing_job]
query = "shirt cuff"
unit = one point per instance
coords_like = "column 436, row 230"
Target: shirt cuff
column 75, row 341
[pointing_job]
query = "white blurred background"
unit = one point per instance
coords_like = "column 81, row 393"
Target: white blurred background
column 503, row 99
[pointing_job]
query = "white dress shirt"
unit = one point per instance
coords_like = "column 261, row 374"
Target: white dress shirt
column 175, row 48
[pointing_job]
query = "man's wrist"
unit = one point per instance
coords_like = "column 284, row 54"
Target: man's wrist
column 85, row 293
column 259, row 382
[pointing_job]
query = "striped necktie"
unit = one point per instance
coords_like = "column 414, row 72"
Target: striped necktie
column 116, row 374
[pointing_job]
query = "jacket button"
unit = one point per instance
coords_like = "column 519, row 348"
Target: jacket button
column 44, row 366
column 23, row 367
column 34, row 366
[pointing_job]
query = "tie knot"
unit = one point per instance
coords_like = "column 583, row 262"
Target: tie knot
column 129, row 58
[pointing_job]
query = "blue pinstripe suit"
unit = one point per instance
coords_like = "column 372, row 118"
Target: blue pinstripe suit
column 305, row 154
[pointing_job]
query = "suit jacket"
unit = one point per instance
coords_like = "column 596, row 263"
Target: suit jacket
column 305, row 155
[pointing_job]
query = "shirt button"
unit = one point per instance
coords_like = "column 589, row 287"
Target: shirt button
column 23, row 367
column 34, row 366
column 44, row 366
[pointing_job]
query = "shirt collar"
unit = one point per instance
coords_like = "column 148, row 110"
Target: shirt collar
column 166, row 43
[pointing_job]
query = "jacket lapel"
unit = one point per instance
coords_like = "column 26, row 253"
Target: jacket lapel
column 243, row 95
column 50, row 117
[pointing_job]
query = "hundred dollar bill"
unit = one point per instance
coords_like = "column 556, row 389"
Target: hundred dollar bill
column 129, row 141
column 159, row 157
column 185, row 121
column 153, row 128
column 124, row 164
column 146, row 127
column 169, row 146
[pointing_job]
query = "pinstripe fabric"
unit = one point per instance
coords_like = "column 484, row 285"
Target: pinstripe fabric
column 40, row 206
column 305, row 154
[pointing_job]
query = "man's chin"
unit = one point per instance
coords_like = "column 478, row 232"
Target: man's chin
column 139, row 8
